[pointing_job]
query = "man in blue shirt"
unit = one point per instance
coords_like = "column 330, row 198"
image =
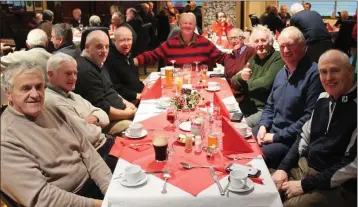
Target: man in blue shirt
column 291, row 101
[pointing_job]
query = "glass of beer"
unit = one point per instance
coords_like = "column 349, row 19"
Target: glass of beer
column 169, row 76
column 160, row 144
column 204, row 73
column 178, row 82
column 212, row 140
column 187, row 73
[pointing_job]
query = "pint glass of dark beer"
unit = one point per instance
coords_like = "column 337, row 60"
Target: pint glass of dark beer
column 160, row 144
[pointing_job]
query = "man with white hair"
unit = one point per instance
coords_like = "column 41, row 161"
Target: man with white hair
column 291, row 101
column 326, row 149
column 37, row 43
column 118, row 20
column 94, row 84
column 61, row 37
column 62, row 75
column 254, row 82
column 318, row 40
column 95, row 21
column 77, row 17
column 46, row 159
column 186, row 47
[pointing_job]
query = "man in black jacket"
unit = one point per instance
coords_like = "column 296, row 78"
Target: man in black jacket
column 326, row 151
column 94, row 84
column 120, row 66
column 61, row 37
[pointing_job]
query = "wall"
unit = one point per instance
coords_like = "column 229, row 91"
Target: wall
column 210, row 8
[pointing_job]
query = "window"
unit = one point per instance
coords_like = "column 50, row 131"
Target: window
column 325, row 8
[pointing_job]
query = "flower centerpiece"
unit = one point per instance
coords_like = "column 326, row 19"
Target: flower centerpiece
column 189, row 97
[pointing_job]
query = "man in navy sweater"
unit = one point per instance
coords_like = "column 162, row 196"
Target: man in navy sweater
column 292, row 98
column 326, row 150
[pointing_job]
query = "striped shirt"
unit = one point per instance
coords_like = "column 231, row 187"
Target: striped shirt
column 199, row 49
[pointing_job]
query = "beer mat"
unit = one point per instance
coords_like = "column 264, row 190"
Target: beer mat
column 152, row 92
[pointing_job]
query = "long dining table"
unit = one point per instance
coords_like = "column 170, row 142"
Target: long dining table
column 193, row 187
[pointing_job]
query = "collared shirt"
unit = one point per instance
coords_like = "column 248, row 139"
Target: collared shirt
column 61, row 92
column 192, row 41
column 241, row 50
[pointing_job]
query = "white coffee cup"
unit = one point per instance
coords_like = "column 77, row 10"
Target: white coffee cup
column 133, row 173
column 238, row 179
column 241, row 128
column 217, row 70
column 213, row 85
column 135, row 129
column 162, row 71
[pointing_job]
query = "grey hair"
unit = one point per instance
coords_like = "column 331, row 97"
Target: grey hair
column 36, row 37
column 293, row 30
column 55, row 61
column 95, row 20
column 343, row 56
column 63, row 30
column 264, row 29
column 94, row 35
column 296, row 7
column 17, row 69
column 187, row 14
column 236, row 31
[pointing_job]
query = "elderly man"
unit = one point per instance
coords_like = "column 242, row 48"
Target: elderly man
column 255, row 81
column 61, row 37
column 185, row 48
column 37, row 43
column 36, row 19
column 291, row 101
column 47, row 16
column 326, row 150
column 46, row 159
column 77, row 19
column 241, row 53
column 94, row 21
column 94, row 84
column 308, row 6
column 119, row 20
column 121, row 68
column 318, row 40
column 62, row 74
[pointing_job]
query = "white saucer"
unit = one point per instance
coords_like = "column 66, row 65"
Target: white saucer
column 249, row 186
column 185, row 126
column 248, row 134
column 213, row 89
column 144, row 133
column 127, row 184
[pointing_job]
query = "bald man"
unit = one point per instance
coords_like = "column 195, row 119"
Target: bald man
column 326, row 151
column 94, row 84
column 121, row 68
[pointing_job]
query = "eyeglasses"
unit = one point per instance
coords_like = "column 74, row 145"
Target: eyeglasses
column 236, row 38
column 128, row 40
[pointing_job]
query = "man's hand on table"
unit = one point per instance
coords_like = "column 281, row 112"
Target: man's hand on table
column 279, row 177
column 292, row 188
column 91, row 119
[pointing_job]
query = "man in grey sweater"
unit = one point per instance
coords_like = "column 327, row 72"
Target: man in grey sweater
column 46, row 159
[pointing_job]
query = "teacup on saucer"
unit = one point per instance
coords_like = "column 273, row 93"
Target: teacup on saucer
column 135, row 129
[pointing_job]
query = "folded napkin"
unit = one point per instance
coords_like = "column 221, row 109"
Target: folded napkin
column 154, row 91
column 139, row 146
column 233, row 142
column 223, row 110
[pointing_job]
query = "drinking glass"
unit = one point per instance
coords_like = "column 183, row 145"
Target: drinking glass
column 169, row 76
column 160, row 144
column 173, row 62
column 80, row 27
column 187, row 73
column 204, row 73
column 171, row 117
column 178, row 81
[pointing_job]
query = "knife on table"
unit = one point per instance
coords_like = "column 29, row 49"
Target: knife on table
column 215, row 178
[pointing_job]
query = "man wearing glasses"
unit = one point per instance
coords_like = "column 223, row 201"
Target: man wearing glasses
column 240, row 55
column 121, row 68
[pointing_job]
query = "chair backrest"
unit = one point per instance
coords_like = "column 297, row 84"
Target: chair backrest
column 8, row 201
column 344, row 38
column 20, row 35
column 254, row 20
column 90, row 29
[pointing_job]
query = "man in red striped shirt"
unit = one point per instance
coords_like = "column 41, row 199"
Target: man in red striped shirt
column 185, row 48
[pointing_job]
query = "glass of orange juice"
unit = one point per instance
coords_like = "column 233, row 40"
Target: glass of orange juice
column 169, row 76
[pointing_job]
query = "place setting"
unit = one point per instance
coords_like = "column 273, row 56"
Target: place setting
column 133, row 176
column 213, row 86
column 239, row 183
column 135, row 131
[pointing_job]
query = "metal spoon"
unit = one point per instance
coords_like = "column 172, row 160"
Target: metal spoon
column 188, row 166
column 166, row 176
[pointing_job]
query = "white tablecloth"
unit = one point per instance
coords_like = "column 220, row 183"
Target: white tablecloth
column 150, row 194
